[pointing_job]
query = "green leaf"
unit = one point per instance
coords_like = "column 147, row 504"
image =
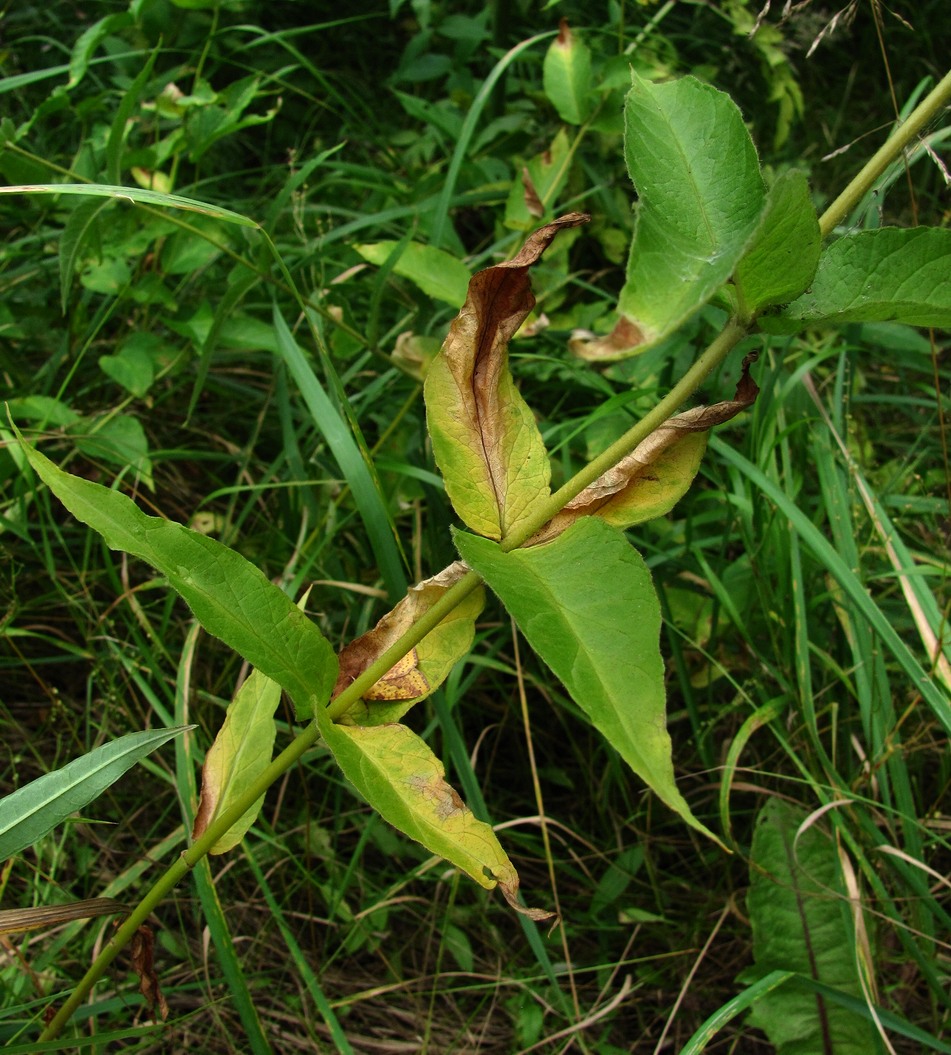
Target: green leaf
column 437, row 273
column 400, row 777
column 798, row 910
column 47, row 411
column 782, row 260
column 33, row 810
column 241, row 752
column 229, row 596
column 118, row 439
column 586, row 604
column 700, row 196
column 88, row 41
column 567, row 77
column 133, row 366
column 888, row 275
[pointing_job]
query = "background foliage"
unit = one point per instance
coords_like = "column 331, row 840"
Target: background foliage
column 141, row 343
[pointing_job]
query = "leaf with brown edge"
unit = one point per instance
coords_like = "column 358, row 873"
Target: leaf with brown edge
column 484, row 436
column 423, row 669
column 649, row 481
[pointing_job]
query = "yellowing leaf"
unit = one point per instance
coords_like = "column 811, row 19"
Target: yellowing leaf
column 403, row 681
column 426, row 667
column 404, row 781
column 656, row 474
column 484, row 436
column 240, row 753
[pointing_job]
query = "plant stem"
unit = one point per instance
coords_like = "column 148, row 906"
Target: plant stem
column 709, row 360
column 176, row 872
column 923, row 114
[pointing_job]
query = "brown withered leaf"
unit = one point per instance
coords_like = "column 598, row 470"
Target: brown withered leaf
column 484, row 435
column 425, row 667
column 532, row 201
column 647, row 482
column 509, row 890
column 20, row 920
column 142, row 948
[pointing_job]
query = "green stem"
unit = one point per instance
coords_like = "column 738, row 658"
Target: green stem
column 176, row 872
column 923, row 114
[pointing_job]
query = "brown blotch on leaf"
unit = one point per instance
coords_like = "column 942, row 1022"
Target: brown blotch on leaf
column 624, row 338
column 532, row 201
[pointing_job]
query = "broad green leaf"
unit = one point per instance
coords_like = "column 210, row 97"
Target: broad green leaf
column 137, row 360
column 36, row 808
column 229, row 596
column 536, row 188
column 782, row 260
column 892, row 274
column 566, row 76
column 45, row 410
column 118, row 439
column 90, row 39
column 586, row 604
column 241, row 752
column 484, row 436
column 131, row 368
column 437, row 273
column 404, row 782
column 798, row 910
column 429, row 664
column 700, row 196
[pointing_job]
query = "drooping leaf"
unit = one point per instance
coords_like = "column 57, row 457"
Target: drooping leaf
column 798, row 910
column 484, row 436
column 586, row 604
column 566, row 76
column 427, row 666
column 36, row 808
column 404, row 782
column 700, row 196
column 540, row 183
column 229, row 596
column 437, row 273
column 784, row 255
column 888, row 275
column 657, row 473
column 241, row 752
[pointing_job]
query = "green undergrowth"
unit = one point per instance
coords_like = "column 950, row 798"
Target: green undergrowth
column 147, row 348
